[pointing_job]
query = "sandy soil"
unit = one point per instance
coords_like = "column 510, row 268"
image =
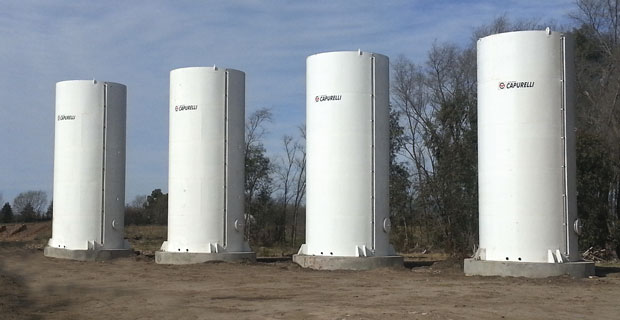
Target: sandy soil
column 35, row 287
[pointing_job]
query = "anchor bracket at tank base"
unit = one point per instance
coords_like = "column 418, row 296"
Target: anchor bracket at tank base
column 576, row 269
column 165, row 257
column 87, row 255
column 347, row 263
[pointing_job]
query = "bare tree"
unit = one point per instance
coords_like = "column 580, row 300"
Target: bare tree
column 292, row 184
column 255, row 128
column 257, row 169
column 598, row 121
column 438, row 107
column 410, row 97
column 285, row 173
column 36, row 199
column 136, row 212
column 600, row 17
column 139, row 201
column 300, row 183
column 598, row 74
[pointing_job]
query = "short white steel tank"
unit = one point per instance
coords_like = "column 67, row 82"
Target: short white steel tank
column 347, row 111
column 89, row 166
column 526, row 148
column 206, row 165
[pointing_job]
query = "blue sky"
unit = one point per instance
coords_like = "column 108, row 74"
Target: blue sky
column 137, row 43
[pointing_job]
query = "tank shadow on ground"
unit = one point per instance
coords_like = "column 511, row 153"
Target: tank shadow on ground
column 274, row 259
column 417, row 264
column 602, row 271
column 407, row 264
column 15, row 303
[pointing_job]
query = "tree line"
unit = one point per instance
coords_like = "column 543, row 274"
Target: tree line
column 27, row 206
column 433, row 147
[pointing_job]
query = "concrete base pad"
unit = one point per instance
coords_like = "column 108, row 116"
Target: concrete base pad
column 347, row 263
column 87, row 255
column 578, row 269
column 165, row 257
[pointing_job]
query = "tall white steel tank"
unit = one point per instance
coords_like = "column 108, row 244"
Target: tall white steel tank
column 206, row 166
column 526, row 147
column 347, row 110
column 89, row 166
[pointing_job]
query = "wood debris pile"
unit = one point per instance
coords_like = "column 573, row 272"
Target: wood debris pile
column 598, row 255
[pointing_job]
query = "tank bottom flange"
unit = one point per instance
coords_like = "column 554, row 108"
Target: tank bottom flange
column 86, row 255
column 577, row 269
column 347, row 263
column 166, row 257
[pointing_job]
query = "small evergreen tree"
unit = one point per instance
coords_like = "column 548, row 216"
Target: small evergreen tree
column 28, row 214
column 6, row 214
column 156, row 207
column 50, row 211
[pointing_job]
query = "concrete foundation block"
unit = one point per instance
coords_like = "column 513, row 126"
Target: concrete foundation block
column 577, row 269
column 87, row 255
column 347, row 263
column 165, row 257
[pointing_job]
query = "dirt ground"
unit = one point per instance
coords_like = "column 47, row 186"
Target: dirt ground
column 35, row 287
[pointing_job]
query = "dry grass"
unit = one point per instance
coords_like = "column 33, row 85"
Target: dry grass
column 146, row 239
column 418, row 256
column 29, row 234
column 275, row 251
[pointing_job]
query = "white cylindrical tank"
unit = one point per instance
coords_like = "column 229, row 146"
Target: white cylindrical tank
column 347, row 155
column 526, row 147
column 89, row 165
column 206, row 166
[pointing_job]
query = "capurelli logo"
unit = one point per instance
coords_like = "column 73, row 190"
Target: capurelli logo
column 324, row 97
column 62, row 117
column 516, row 84
column 185, row 107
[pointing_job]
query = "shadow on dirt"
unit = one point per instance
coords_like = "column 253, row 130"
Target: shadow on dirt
column 417, row 264
column 14, row 301
column 17, row 301
column 409, row 264
column 605, row 271
column 273, row 259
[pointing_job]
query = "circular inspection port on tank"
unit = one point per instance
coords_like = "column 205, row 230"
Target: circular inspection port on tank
column 239, row 225
column 387, row 225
